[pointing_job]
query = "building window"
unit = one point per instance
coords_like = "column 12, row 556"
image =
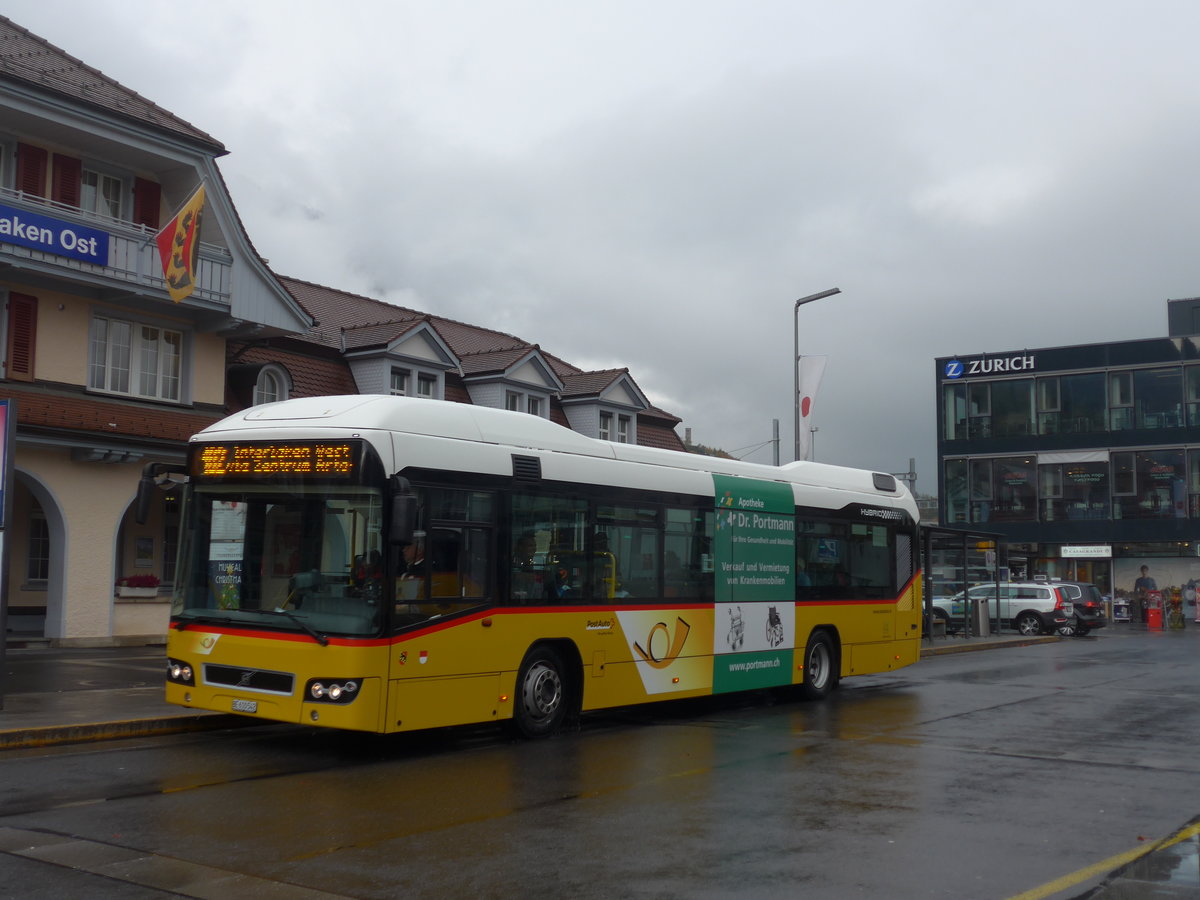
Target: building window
column 1120, row 401
column 981, row 490
column 1081, row 404
column 135, row 359
column 1158, row 482
column 521, row 402
column 1123, row 474
column 1074, row 491
column 1194, row 483
column 956, row 491
column 954, row 408
column 1048, row 406
column 37, row 566
column 605, row 426
column 979, row 408
column 1192, row 387
column 623, row 429
column 271, row 386
column 402, row 384
column 101, row 194
column 1012, row 408
column 1015, row 490
column 1159, row 395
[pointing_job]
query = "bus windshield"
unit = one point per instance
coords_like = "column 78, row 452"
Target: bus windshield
column 306, row 559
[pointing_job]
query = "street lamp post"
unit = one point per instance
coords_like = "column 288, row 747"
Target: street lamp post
column 796, row 354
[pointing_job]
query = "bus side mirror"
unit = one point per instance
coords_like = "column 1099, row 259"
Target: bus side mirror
column 404, row 511
column 141, row 510
column 146, row 485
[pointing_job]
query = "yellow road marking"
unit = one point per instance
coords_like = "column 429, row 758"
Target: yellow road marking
column 1106, row 865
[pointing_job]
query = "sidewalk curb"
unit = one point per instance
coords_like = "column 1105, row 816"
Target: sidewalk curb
column 966, row 647
column 55, row 735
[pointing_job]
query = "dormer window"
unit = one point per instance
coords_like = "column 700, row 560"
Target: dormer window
column 409, row 383
column 622, row 433
column 271, row 385
column 519, row 401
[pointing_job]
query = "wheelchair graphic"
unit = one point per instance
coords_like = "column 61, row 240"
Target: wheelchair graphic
column 774, row 628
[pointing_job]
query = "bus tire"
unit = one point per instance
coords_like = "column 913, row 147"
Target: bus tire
column 540, row 705
column 820, row 667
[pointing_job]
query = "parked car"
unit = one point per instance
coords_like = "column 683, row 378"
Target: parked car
column 1088, row 604
column 1029, row 607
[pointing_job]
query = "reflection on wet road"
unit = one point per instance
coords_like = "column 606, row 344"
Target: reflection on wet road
column 985, row 775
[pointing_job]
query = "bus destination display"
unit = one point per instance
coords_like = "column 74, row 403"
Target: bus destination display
column 307, row 459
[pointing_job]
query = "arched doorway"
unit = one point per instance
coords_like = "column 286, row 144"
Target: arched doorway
column 36, row 542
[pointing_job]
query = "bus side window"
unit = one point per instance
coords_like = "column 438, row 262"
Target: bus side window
column 548, row 537
column 687, row 553
column 458, row 562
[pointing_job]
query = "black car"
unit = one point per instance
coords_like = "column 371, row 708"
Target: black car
column 1089, row 608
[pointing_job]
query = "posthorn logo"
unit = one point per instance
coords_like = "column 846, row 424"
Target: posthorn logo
column 954, row 369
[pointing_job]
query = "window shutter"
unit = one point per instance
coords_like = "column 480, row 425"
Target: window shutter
column 22, row 333
column 31, row 170
column 68, row 174
column 147, row 197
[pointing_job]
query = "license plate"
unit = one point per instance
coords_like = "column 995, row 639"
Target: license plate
column 245, row 706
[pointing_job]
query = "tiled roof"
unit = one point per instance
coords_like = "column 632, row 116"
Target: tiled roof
column 654, row 412
column 380, row 323
column 351, row 321
column 493, row 361
column 590, row 384
column 653, row 434
column 311, row 375
column 27, row 58
column 100, row 418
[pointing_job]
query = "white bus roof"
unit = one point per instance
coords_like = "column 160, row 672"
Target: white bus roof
column 520, row 431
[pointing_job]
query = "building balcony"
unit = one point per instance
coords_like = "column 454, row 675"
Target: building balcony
column 54, row 241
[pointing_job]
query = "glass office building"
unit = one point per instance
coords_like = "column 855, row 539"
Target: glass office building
column 1087, row 458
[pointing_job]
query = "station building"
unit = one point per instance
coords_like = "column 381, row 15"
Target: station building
column 106, row 371
column 1085, row 458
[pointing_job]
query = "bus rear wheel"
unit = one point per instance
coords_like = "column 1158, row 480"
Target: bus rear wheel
column 820, row 671
column 540, row 706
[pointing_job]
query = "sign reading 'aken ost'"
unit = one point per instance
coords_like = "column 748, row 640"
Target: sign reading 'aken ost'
column 38, row 232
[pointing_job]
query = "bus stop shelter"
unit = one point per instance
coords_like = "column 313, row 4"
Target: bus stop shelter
column 955, row 560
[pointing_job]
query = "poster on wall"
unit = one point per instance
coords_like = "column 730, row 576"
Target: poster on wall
column 1174, row 578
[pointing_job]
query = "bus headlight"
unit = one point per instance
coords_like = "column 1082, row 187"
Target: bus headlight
column 179, row 672
column 332, row 690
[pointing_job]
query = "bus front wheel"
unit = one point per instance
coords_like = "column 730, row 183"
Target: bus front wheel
column 541, row 701
column 820, row 670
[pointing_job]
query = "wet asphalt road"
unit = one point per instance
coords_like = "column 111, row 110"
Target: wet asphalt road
column 1024, row 772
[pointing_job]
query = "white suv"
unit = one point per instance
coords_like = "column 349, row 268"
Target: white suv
column 1029, row 607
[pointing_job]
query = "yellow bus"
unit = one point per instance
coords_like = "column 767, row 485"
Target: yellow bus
column 388, row 564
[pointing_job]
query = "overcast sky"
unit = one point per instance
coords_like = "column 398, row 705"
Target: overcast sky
column 653, row 184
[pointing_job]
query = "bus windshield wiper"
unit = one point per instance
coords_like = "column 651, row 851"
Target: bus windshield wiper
column 182, row 621
column 317, row 636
